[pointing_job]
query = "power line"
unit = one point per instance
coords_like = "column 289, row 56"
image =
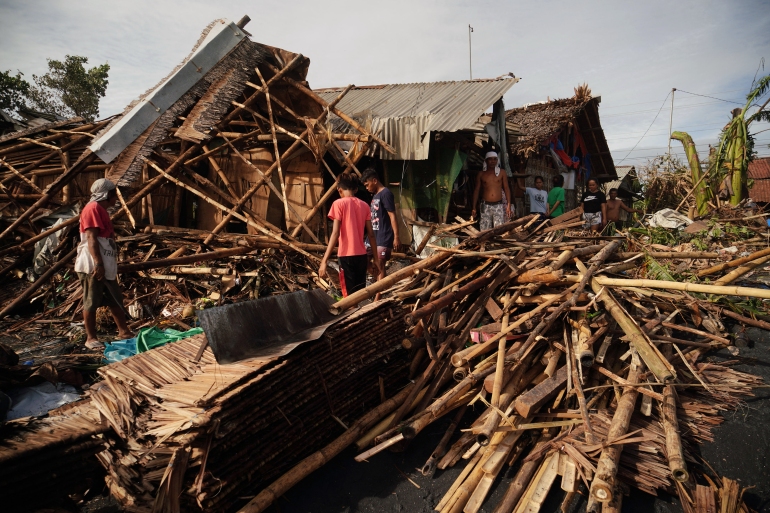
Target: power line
column 648, row 128
column 655, row 101
column 653, row 110
column 713, row 143
column 712, row 97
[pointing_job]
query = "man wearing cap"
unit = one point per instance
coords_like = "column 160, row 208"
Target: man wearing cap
column 97, row 263
column 496, row 196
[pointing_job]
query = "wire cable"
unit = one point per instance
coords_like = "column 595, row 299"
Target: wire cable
column 648, row 128
column 712, row 97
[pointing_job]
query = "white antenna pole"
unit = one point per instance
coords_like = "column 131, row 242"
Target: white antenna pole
column 470, row 51
column 670, row 125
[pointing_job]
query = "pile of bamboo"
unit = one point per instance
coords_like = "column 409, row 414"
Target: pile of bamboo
column 578, row 373
column 213, row 433
column 54, row 454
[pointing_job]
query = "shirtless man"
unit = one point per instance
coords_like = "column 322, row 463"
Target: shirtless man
column 494, row 209
column 614, row 206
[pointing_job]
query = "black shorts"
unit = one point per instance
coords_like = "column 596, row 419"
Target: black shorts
column 353, row 273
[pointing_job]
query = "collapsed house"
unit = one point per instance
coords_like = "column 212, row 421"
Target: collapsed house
column 230, row 161
column 560, row 137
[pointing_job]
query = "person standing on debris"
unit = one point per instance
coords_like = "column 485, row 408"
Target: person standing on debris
column 556, row 198
column 537, row 198
column 594, row 204
column 97, row 263
column 496, row 196
column 614, row 206
column 352, row 220
column 384, row 222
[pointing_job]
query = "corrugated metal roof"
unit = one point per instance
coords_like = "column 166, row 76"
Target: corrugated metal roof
column 404, row 113
column 216, row 44
column 622, row 173
column 759, row 171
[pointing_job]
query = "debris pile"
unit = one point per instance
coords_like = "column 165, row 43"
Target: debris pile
column 579, row 373
column 583, row 353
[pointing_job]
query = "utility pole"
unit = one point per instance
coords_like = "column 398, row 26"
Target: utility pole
column 670, row 125
column 470, row 51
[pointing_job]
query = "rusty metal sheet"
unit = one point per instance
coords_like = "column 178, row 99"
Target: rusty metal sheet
column 403, row 114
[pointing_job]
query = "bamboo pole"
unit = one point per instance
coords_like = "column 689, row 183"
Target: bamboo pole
column 446, row 300
column 322, row 201
column 461, row 358
column 674, row 450
column 734, row 263
column 63, row 261
column 250, row 222
column 659, row 366
column 316, row 460
column 51, row 191
column 740, row 271
column 252, row 190
column 526, row 472
column 332, row 107
column 385, row 283
column 685, row 255
column 741, row 318
column 430, row 466
column 266, row 92
column 604, row 482
column 687, row 287
column 517, row 382
column 279, row 74
column 189, row 259
column 500, row 368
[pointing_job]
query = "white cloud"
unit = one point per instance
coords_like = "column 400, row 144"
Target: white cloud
column 630, row 53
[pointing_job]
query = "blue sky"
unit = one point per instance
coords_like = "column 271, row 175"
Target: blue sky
column 630, row 53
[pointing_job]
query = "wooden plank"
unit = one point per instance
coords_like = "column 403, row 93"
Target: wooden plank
column 529, row 402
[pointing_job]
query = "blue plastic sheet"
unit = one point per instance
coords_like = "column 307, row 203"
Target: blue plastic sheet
column 146, row 339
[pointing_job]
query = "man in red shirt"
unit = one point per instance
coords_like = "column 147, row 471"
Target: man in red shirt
column 352, row 219
column 97, row 263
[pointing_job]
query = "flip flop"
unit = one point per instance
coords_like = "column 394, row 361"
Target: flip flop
column 95, row 345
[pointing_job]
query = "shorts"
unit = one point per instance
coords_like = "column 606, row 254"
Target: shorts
column 98, row 293
column 353, row 273
column 591, row 219
column 383, row 253
column 492, row 215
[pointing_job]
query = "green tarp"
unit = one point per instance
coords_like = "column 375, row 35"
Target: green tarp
column 426, row 183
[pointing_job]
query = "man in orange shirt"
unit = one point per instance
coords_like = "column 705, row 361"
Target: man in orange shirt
column 352, row 219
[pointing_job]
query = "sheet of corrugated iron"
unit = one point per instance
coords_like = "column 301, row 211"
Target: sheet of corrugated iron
column 406, row 112
column 759, row 171
column 220, row 39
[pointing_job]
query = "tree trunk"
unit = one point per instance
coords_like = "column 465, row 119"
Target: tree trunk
column 702, row 192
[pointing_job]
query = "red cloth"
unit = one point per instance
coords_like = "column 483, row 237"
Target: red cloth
column 94, row 215
column 353, row 215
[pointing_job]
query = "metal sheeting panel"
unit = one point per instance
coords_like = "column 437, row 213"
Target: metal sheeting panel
column 267, row 327
column 404, row 113
column 220, row 40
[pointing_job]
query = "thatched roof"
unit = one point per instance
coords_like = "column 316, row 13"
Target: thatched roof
column 540, row 121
